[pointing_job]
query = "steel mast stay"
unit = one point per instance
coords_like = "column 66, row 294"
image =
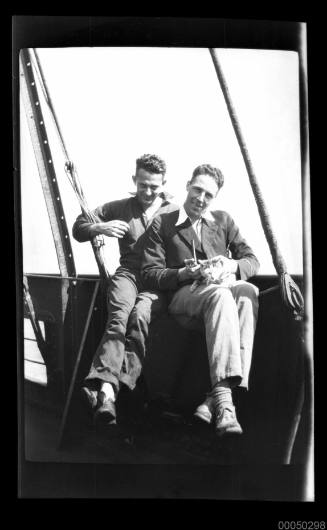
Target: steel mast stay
column 51, row 192
column 29, row 75
column 71, row 172
column 45, row 165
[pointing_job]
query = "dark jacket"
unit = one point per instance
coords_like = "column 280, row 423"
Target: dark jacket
column 129, row 210
column 166, row 246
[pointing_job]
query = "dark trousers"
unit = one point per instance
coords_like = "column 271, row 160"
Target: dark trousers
column 121, row 352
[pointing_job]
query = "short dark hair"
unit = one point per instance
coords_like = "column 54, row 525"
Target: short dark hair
column 151, row 163
column 207, row 169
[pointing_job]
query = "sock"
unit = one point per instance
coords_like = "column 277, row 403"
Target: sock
column 108, row 391
column 222, row 395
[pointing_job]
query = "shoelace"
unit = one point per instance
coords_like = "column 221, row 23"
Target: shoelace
column 226, row 412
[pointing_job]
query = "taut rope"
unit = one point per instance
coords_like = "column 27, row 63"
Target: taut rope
column 290, row 292
column 97, row 241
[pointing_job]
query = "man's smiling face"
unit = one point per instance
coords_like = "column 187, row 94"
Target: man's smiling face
column 200, row 193
column 148, row 186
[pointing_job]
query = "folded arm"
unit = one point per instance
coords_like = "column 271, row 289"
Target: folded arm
column 107, row 225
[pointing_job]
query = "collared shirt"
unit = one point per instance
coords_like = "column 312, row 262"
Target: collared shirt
column 167, row 246
column 197, row 224
column 151, row 211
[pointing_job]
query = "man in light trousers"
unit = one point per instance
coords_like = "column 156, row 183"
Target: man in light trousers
column 201, row 260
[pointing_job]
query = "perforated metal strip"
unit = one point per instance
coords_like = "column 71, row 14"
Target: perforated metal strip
column 45, row 166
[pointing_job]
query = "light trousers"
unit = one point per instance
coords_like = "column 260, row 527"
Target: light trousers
column 229, row 317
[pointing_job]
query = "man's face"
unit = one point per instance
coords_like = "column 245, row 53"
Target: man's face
column 148, row 186
column 200, row 193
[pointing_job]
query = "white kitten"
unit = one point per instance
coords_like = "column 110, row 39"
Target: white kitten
column 211, row 271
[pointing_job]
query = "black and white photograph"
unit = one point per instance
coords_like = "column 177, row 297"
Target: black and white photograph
column 163, row 258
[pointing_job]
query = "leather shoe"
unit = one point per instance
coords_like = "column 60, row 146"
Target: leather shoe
column 204, row 411
column 226, row 421
column 106, row 413
column 89, row 397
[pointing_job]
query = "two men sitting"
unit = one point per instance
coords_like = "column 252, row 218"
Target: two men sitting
column 190, row 260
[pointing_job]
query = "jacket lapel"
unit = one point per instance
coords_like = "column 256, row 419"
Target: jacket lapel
column 187, row 235
column 209, row 235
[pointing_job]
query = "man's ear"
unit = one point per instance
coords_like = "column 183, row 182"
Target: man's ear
column 134, row 179
column 188, row 185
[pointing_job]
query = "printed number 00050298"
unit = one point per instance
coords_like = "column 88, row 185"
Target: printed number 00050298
column 301, row 525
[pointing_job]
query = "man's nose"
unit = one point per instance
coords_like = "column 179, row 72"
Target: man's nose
column 148, row 191
column 201, row 196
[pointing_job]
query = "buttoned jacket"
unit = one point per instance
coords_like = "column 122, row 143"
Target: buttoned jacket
column 167, row 245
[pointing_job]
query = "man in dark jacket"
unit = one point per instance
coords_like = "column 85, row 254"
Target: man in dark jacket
column 121, row 351
column 208, row 288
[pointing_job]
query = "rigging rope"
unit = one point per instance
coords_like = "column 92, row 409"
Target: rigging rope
column 290, row 292
column 71, row 172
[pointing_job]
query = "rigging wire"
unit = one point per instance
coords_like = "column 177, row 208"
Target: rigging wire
column 70, row 169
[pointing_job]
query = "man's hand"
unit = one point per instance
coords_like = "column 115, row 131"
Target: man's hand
column 110, row 229
column 189, row 273
column 227, row 266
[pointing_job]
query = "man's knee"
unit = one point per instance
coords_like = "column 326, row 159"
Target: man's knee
column 140, row 312
column 247, row 299
column 148, row 305
column 246, row 291
column 221, row 294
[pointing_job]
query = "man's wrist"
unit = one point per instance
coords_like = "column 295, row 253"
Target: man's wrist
column 181, row 275
column 93, row 230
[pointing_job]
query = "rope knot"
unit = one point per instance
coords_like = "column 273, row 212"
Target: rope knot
column 292, row 295
column 69, row 166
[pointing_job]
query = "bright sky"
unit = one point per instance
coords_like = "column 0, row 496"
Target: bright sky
column 115, row 104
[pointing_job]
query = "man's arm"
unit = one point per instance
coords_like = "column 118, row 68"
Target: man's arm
column 107, row 225
column 155, row 273
column 247, row 263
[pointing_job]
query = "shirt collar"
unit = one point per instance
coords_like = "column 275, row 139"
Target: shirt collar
column 183, row 216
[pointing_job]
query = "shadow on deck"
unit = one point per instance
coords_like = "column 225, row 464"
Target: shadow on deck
column 163, row 432
column 159, row 458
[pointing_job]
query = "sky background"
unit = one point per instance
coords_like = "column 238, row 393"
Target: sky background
column 115, row 104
